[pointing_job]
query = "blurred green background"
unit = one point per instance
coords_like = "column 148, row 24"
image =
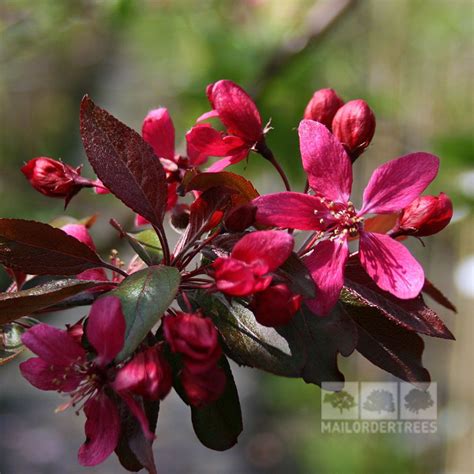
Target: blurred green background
column 410, row 59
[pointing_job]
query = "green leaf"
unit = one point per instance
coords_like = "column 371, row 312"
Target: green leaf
column 147, row 245
column 219, row 424
column 307, row 347
column 145, row 296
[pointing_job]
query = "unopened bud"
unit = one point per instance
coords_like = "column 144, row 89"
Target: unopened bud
column 54, row 178
column 275, row 306
column 240, row 218
column 425, row 216
column 195, row 338
column 354, row 126
column 148, row 374
column 323, row 106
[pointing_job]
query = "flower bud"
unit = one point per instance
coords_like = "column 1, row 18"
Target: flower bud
column 323, row 106
column 275, row 306
column 148, row 374
column 425, row 216
column 54, row 178
column 196, row 338
column 354, row 126
column 240, row 218
column 204, row 388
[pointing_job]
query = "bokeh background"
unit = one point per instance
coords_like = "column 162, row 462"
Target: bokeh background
column 410, row 59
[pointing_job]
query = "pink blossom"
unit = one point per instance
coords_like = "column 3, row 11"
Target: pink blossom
column 241, row 118
column 392, row 187
column 64, row 365
column 253, row 258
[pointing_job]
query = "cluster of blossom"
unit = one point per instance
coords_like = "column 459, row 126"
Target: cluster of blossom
column 170, row 319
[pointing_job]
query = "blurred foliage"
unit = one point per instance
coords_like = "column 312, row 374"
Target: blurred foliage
column 410, row 59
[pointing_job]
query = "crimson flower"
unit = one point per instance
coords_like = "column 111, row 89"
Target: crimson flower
column 253, row 257
column 241, row 118
column 64, row 365
column 196, row 338
column 392, row 187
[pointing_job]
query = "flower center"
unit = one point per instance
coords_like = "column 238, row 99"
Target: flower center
column 347, row 223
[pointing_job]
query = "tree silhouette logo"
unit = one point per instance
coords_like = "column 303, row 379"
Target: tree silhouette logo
column 340, row 400
column 380, row 400
column 417, row 400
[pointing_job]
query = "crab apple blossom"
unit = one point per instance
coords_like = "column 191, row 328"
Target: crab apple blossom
column 275, row 306
column 354, row 126
column 426, row 215
column 194, row 337
column 241, row 118
column 391, row 187
column 54, row 178
column 64, row 365
column 241, row 282
column 323, row 106
column 247, row 269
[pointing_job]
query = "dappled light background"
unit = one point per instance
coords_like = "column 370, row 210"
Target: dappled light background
column 410, row 59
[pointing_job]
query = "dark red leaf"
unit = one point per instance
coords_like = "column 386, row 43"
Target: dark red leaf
column 205, row 181
column 413, row 314
column 124, row 162
column 39, row 249
column 436, row 294
column 134, row 450
column 26, row 302
column 306, row 347
column 390, row 347
column 206, row 213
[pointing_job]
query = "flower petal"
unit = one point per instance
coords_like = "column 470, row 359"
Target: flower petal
column 105, row 328
column 292, row 210
column 208, row 141
column 399, row 182
column 236, row 110
column 268, row 248
column 391, row 265
column 326, row 265
column 45, row 376
column 158, row 131
column 325, row 161
column 227, row 161
column 102, row 430
column 54, row 346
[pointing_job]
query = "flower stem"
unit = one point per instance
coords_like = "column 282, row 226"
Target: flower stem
column 264, row 151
